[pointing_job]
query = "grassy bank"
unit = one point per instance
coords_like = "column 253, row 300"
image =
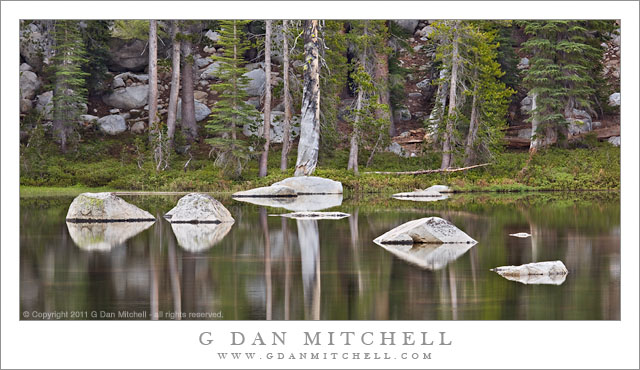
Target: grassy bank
column 109, row 164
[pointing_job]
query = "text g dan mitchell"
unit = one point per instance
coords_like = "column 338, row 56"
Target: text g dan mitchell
column 330, row 338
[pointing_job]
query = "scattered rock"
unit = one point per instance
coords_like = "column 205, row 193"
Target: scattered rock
column 88, row 119
column 551, row 272
column 213, row 36
column 29, row 84
column 202, row 111
column 128, row 97
column 417, row 48
column 415, row 95
column 614, row 140
column 579, row 123
column 277, row 127
column 138, row 127
column 614, row 99
column 210, row 72
column 104, row 236
column 252, row 66
column 25, row 105
column 104, row 207
column 397, row 149
column 424, row 32
column 117, row 82
column 526, row 105
column 201, row 96
column 114, row 111
column 198, row 208
column 209, row 49
column 112, row 125
column 402, row 114
column 35, row 45
column 524, row 63
column 25, row 67
column 424, row 84
column 197, row 238
column 44, row 105
column 520, row 235
column 408, row 25
column 138, row 78
column 203, row 62
column 255, row 86
column 429, row 230
column 128, row 55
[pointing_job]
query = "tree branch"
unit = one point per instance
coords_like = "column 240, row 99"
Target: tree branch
column 421, row 172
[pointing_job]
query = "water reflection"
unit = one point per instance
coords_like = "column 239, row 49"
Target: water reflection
column 280, row 268
column 538, row 279
column 102, row 236
column 200, row 237
column 428, row 256
column 299, row 203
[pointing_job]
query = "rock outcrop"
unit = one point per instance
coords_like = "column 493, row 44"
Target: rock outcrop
column 428, row 230
column 197, row 208
column 104, row 207
column 104, row 236
column 550, row 272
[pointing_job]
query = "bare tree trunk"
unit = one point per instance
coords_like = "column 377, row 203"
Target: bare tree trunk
column 188, row 120
column 381, row 76
column 267, row 100
column 286, row 126
column 153, row 75
column 355, row 136
column 310, row 116
column 447, row 155
column 469, row 151
column 540, row 136
column 175, row 82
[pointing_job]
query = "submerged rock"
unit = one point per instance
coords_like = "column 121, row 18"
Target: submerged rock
column 520, row 235
column 104, row 236
column 297, row 203
column 199, row 208
column 105, row 207
column 315, row 215
column 530, row 272
column 200, row 237
column 429, row 256
column 430, row 194
column 430, row 230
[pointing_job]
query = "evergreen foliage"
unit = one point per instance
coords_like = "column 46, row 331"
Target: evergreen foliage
column 231, row 112
column 96, row 41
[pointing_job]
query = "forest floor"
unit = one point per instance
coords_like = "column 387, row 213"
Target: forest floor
column 124, row 163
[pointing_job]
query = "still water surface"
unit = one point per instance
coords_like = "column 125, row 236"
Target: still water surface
column 270, row 267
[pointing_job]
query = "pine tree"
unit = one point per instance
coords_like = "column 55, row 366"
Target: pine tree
column 69, row 85
column 231, row 112
column 96, row 36
column 561, row 78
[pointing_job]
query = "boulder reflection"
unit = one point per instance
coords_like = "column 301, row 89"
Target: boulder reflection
column 200, row 237
column 103, row 236
column 428, row 256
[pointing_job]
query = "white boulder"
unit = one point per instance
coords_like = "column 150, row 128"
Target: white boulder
column 614, row 140
column 267, row 191
column 128, row 97
column 44, row 105
column 429, row 230
column 199, row 208
column 257, row 78
column 29, row 84
column 306, row 185
column 104, row 207
column 112, row 125
column 531, row 273
column 614, row 99
column 202, row 111
column 210, row 72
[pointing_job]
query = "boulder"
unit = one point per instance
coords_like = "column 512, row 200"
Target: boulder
column 425, row 31
column 210, row 72
column 198, row 208
column 112, row 125
column 88, row 119
column 429, row 256
column 29, row 84
column 35, row 45
column 202, row 111
column 614, row 99
column 440, row 188
column 138, row 127
column 306, row 185
column 315, row 215
column 428, row 230
column 415, row 95
column 614, row 140
column 397, row 149
column 203, row 62
column 300, row 203
column 277, row 127
column 212, row 35
column 424, row 84
column 257, row 78
column 128, row 97
column 104, row 236
column 551, row 272
column 44, row 105
column 104, row 207
column 272, row 191
column 25, row 105
column 25, row 67
column 117, row 82
column 402, row 114
column 197, row 238
column 579, row 122
column 526, row 105
column 138, row 78
column 408, row 25
column 128, row 55
column 200, row 96
column 520, row 235
column 524, row 63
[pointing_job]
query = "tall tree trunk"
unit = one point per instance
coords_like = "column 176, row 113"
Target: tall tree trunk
column 235, row 85
column 153, row 75
column 188, row 120
column 310, row 116
column 469, row 151
column 175, row 82
column 381, row 76
column 540, row 136
column 267, row 100
column 447, row 155
column 286, row 125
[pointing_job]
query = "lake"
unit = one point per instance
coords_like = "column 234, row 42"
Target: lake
column 269, row 267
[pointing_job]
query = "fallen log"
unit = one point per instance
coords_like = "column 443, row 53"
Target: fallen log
column 421, row 172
